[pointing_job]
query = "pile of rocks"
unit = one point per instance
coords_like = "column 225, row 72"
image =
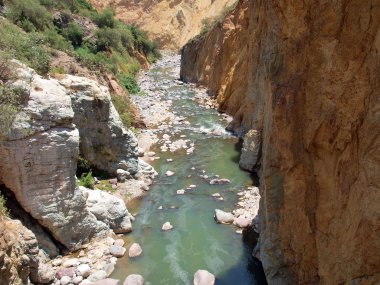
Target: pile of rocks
column 248, row 207
column 94, row 263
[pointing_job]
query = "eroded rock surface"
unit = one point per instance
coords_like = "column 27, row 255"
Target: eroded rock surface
column 170, row 23
column 306, row 75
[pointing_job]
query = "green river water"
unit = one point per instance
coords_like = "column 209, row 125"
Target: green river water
column 197, row 241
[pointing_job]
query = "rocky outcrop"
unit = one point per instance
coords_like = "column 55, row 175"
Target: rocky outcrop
column 104, row 142
column 305, row 75
column 170, row 23
column 38, row 159
column 20, row 255
column 250, row 152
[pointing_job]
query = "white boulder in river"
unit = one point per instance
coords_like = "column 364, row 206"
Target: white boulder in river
column 167, row 226
column 203, row 277
column 223, row 217
column 134, row 279
column 135, row 250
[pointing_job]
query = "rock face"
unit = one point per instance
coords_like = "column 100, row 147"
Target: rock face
column 109, row 209
column 104, row 142
column 170, row 23
column 38, row 159
column 251, row 150
column 18, row 254
column 306, row 75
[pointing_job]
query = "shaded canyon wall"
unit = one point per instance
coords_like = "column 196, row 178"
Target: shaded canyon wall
column 305, row 76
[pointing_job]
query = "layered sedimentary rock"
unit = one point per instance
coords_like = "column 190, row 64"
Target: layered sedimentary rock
column 306, row 76
column 170, row 23
column 39, row 157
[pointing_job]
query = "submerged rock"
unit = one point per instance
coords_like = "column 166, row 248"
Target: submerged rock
column 181, row 192
column 203, row 277
column 169, row 173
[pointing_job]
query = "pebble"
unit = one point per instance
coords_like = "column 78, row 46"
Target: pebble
column 65, row 280
column 83, row 270
column 169, row 173
column 71, row 262
column 181, row 192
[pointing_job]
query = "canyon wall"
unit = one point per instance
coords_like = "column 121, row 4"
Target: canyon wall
column 305, row 76
column 170, row 23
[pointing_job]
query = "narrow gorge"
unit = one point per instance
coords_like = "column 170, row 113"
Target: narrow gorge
column 189, row 142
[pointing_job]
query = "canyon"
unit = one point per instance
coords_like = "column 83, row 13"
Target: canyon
column 268, row 121
column 301, row 80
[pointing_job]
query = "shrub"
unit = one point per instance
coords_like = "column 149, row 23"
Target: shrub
column 107, row 39
column 27, row 48
column 74, row 33
column 28, row 13
column 105, row 18
column 129, row 83
column 3, row 209
column 87, row 180
column 57, row 41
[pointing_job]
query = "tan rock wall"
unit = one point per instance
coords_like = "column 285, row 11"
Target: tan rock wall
column 170, row 23
column 307, row 75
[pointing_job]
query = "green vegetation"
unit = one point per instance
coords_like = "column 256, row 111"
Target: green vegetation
column 130, row 83
column 123, row 108
column 105, row 185
column 87, row 180
column 3, row 209
column 11, row 97
column 34, row 29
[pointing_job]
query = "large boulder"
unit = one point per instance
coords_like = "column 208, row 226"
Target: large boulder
column 251, row 150
column 104, row 141
column 109, row 209
column 223, row 217
column 203, row 277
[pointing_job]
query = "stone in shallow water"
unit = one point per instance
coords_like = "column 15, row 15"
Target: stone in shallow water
column 223, row 217
column 220, row 181
column 203, row 277
column 134, row 279
column 169, row 173
column 135, row 250
column 167, row 226
column 117, row 251
column 181, row 192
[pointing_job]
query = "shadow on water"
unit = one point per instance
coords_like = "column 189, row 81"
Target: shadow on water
column 251, row 264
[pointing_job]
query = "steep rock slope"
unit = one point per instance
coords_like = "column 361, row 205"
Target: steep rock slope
column 305, row 76
column 170, row 23
column 38, row 159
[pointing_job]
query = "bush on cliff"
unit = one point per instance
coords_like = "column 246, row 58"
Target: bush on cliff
column 87, row 180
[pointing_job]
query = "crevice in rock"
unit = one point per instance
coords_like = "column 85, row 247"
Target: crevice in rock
column 45, row 239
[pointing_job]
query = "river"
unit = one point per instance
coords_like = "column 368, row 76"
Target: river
column 197, row 241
